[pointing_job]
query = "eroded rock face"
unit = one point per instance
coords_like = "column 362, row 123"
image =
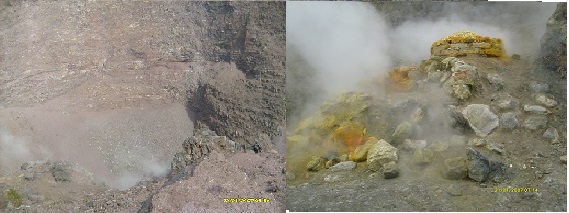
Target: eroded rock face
column 480, row 118
column 553, row 55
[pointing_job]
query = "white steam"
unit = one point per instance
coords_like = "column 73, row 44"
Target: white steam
column 342, row 41
column 348, row 41
column 13, row 152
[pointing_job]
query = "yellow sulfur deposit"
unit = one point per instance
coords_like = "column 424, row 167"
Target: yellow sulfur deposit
column 464, row 43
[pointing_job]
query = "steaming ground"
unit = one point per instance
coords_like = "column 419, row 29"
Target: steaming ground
column 345, row 42
column 327, row 53
column 120, row 146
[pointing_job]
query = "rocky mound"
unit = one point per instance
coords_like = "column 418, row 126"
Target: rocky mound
column 463, row 43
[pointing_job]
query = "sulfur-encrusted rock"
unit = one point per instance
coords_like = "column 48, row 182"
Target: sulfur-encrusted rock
column 316, row 164
column 381, row 153
column 401, row 133
column 360, row 154
column 480, row 118
column 455, row 168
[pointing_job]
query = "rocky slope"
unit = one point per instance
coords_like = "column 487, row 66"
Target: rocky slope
column 465, row 133
column 118, row 86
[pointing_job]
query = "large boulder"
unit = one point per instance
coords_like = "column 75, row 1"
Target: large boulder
column 480, row 118
column 380, row 154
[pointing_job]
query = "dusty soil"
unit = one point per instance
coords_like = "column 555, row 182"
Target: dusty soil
column 117, row 86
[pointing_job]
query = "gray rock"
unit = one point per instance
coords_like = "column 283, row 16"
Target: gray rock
column 316, row 164
column 478, row 165
column 509, row 121
column 480, row 118
column 563, row 159
column 538, row 87
column 29, row 176
column 551, row 134
column 343, row 166
column 535, row 109
column 496, row 81
column 455, row 168
column 390, row 170
column 423, row 156
column 535, row 122
column 543, row 99
column 381, row 153
column 61, row 171
column 508, row 104
column 401, row 133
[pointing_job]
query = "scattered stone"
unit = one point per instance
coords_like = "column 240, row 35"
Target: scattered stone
column 478, row 165
column 535, row 109
column 543, row 99
column 455, row 168
column 29, row 176
column 330, row 154
column 477, row 142
column 390, row 170
column 422, row 156
column 360, row 154
column 401, row 133
column 316, row 164
column 563, row 159
column 417, row 115
column 480, row 118
column 494, row 148
column 381, row 153
column 538, row 87
column 535, row 122
column 509, row 121
column 551, row 134
column 329, row 164
column 411, row 145
column 343, row 166
column 438, row 146
column 508, row 104
column 455, row 189
column 516, row 57
column 496, row 81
